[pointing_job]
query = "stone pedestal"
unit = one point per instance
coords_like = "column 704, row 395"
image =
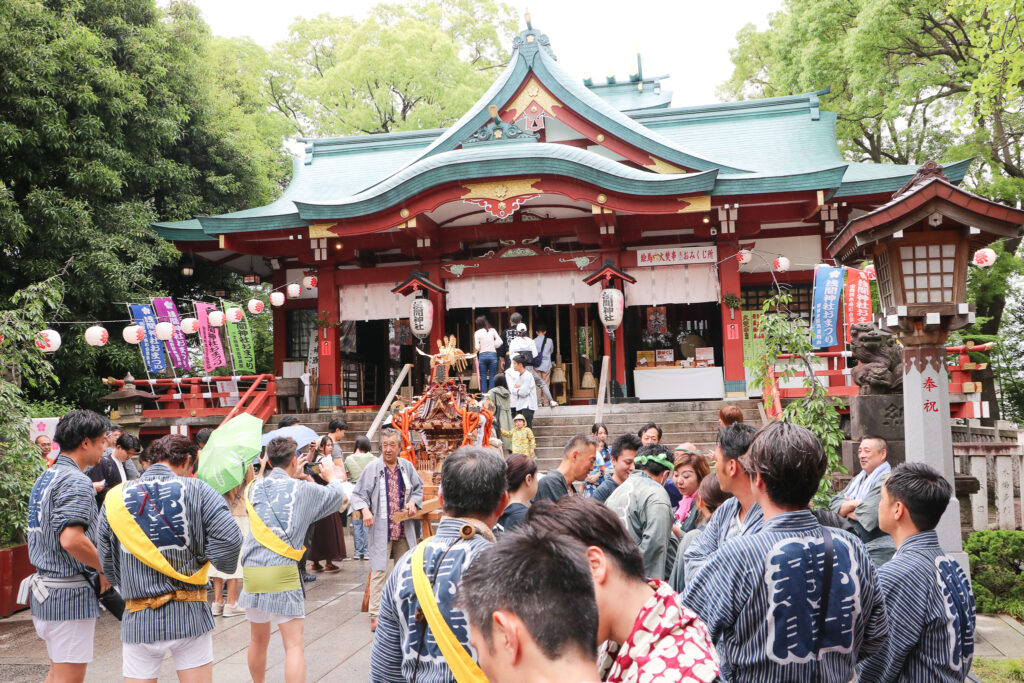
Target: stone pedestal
column 875, row 415
column 928, row 432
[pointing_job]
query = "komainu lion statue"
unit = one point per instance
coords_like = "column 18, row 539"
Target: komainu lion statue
column 880, row 368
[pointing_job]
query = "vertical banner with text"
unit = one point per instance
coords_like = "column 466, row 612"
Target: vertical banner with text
column 828, row 286
column 177, row 348
column 856, row 299
column 152, row 349
column 242, row 352
column 213, row 350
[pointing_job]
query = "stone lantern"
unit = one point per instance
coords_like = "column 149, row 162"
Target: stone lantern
column 921, row 244
column 128, row 401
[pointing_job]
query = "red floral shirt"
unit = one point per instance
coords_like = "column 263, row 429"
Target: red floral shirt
column 668, row 643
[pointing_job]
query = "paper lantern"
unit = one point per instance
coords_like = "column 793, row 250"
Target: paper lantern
column 309, row 282
column 48, row 341
column 255, row 306
column 984, row 257
column 234, row 314
column 96, row 336
column 189, row 325
column 216, row 318
column 294, row 291
column 610, row 309
column 164, row 331
column 745, row 256
column 781, row 264
column 869, row 271
column 421, row 317
column 133, row 334
column 277, row 298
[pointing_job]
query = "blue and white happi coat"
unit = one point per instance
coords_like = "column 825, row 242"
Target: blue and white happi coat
column 723, row 525
column 288, row 507
column 62, row 496
column 401, row 640
column 760, row 594
column 931, row 616
column 189, row 523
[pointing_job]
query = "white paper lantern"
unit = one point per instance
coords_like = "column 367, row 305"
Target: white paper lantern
column 869, row 271
column 984, row 257
column 48, row 341
column 189, row 325
column 216, row 318
column 277, row 298
column 745, row 256
column 610, row 309
column 781, row 264
column 421, row 317
column 309, row 282
column 164, row 331
column 96, row 336
column 294, row 291
column 234, row 314
column 255, row 306
column 133, row 334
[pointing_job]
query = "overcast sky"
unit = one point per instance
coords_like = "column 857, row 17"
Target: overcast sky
column 688, row 40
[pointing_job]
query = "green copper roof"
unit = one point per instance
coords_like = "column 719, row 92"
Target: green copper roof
column 781, row 144
column 486, row 161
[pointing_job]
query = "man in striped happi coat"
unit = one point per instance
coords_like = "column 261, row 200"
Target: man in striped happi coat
column 281, row 509
column 927, row 595
column 158, row 535
column 764, row 597
column 61, row 535
column 738, row 516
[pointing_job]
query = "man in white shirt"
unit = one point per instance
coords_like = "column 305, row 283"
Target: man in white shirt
column 116, row 466
column 522, row 388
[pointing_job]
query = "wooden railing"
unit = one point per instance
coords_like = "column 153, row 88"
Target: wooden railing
column 602, row 389
column 965, row 392
column 203, row 396
column 387, row 401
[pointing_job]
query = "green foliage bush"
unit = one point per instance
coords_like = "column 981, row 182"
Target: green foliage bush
column 997, row 571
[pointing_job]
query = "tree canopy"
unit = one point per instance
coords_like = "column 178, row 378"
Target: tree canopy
column 110, row 119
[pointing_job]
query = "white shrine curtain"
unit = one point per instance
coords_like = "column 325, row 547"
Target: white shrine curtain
column 372, row 302
column 519, row 289
column 673, row 285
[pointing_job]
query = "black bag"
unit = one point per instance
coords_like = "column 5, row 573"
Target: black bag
column 110, row 598
column 540, row 356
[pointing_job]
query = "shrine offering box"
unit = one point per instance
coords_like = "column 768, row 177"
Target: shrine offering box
column 705, row 353
column 645, row 359
column 665, row 356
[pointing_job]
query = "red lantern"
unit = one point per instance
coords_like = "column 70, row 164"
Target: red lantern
column 189, row 325
column 869, row 271
column 277, row 298
column 48, row 341
column 255, row 306
column 235, row 314
column 745, row 256
column 984, row 258
column 781, row 264
column 133, row 334
column 96, row 336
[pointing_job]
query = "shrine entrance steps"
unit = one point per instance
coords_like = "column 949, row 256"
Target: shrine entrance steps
column 695, row 421
column 680, row 421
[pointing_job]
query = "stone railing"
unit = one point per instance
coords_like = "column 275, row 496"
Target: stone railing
column 992, row 455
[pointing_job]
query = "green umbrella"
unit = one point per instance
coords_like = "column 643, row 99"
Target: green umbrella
column 232, row 447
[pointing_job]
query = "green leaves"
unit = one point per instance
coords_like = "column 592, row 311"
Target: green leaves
column 784, row 333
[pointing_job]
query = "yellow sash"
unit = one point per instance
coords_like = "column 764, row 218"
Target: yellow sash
column 135, row 540
column 462, row 665
column 265, row 536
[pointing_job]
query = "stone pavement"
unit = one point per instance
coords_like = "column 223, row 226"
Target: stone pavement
column 338, row 639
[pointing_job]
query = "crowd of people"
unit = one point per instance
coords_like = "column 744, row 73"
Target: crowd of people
column 627, row 561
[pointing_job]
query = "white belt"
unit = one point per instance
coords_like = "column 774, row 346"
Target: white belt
column 40, row 585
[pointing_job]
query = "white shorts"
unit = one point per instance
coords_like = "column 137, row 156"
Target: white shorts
column 258, row 616
column 67, row 642
column 143, row 660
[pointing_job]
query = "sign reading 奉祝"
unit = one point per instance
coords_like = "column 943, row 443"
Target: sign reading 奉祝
column 676, row 256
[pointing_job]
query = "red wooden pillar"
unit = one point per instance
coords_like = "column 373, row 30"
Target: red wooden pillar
column 327, row 338
column 732, row 321
column 438, row 331
column 280, row 327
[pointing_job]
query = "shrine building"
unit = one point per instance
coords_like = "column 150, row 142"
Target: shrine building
column 548, row 189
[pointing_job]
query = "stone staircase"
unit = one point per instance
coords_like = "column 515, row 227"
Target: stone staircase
column 695, row 421
column 680, row 421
